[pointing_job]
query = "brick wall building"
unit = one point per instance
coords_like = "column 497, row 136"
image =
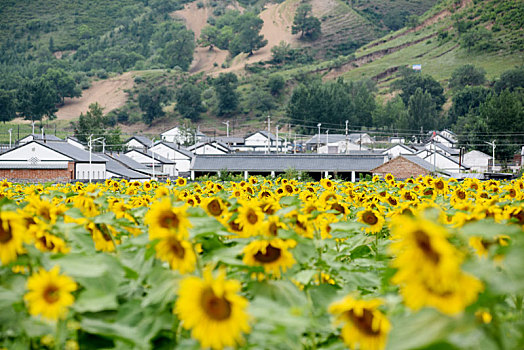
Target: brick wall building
column 404, row 167
column 38, row 173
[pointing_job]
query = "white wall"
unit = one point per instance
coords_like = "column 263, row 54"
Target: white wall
column 478, row 161
column 135, row 144
column 170, row 170
column 30, row 150
column 208, row 149
column 76, row 144
column 395, row 151
column 442, row 162
column 164, row 151
column 257, row 140
column 98, row 171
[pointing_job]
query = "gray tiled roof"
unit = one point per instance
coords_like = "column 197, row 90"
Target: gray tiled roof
column 303, row 162
column 323, row 138
column 419, row 161
column 71, row 151
column 131, row 163
column 452, row 151
column 211, row 143
column 177, row 148
column 156, row 156
column 228, row 139
column 118, row 168
column 142, row 139
column 48, row 137
column 263, row 132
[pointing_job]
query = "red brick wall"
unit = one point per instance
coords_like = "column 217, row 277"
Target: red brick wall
column 400, row 168
column 40, row 175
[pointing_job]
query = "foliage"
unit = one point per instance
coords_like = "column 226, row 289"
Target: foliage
column 311, row 249
column 422, row 111
column 151, row 102
column 465, row 101
column 8, row 106
column 36, row 99
column 225, row 87
column 411, row 82
column 478, row 39
column 189, row 101
column 276, row 84
column 467, row 75
column 392, row 115
column 512, row 80
column 93, row 122
column 306, row 24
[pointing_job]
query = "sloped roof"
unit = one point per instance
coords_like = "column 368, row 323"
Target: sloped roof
column 118, row 168
column 302, row 162
column 177, row 148
column 263, row 132
column 399, row 145
column 228, row 139
column 452, row 151
column 419, row 161
column 211, row 143
column 71, row 151
column 142, row 139
column 48, row 137
column 326, row 138
column 132, row 164
column 156, row 156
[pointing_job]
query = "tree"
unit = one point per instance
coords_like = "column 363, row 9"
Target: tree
column 467, row 100
column 179, row 51
column 64, row 84
column 209, row 36
column 411, row 82
column 225, row 87
column 512, row 80
column 467, row 75
column 247, row 39
column 150, row 102
column 7, row 105
column 260, row 101
column 93, row 122
column 392, row 115
column 189, row 101
column 37, row 99
column 276, row 84
column 306, row 25
column 422, row 110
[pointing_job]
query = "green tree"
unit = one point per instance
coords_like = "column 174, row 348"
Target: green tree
column 151, row 102
column 209, row 36
column 64, row 84
column 37, row 99
column 276, row 84
column 306, row 24
column 247, row 38
column 411, row 82
column 225, row 88
column 93, row 122
column 512, row 80
column 7, row 105
column 467, row 75
column 391, row 115
column 422, row 110
column 467, row 100
column 189, row 101
column 479, row 39
column 179, row 51
column 260, row 101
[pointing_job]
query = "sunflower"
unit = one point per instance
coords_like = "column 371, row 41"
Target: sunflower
column 214, row 206
column 177, row 252
column 12, row 235
column 373, row 220
column 103, row 235
column 273, row 255
column 212, row 309
column 271, row 226
column 47, row 242
column 250, row 217
column 163, row 219
column 181, row 181
column 364, row 326
column 421, row 248
column 50, row 293
column 451, row 296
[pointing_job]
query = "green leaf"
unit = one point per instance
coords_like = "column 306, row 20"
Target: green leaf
column 94, row 300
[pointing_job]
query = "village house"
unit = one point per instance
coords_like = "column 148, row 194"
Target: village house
column 138, row 142
column 404, row 166
column 210, row 147
column 478, row 161
column 179, row 155
column 156, row 162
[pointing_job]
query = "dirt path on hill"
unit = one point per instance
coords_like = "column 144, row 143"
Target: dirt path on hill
column 108, row 93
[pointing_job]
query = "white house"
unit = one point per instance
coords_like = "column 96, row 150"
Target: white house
column 181, row 156
column 212, row 147
column 477, row 161
column 445, row 137
column 443, row 162
column 440, row 147
column 178, row 135
column 361, row 138
column 37, row 137
column 75, row 142
column 161, row 164
column 341, row 147
column 138, row 142
column 115, row 169
column 51, row 161
column 397, row 150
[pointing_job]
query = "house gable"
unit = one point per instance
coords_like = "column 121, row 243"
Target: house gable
column 401, row 168
column 36, row 151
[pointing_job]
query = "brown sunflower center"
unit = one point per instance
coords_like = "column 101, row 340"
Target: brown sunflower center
column 214, row 207
column 392, row 201
column 439, row 185
column 338, row 207
column 370, row 218
column 44, row 212
column 428, row 192
column 217, row 308
column 176, row 248
column 5, row 235
column 252, row 217
column 271, row 254
column 168, row 219
column 235, row 226
column 424, row 243
column 51, row 294
column 461, row 194
column 48, row 244
column 364, row 322
column 519, row 216
column 289, row 189
column 273, row 229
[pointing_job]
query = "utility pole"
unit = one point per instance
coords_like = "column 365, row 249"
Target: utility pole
column 33, row 124
column 318, row 140
column 10, row 131
column 89, row 143
column 327, row 140
column 492, row 144
column 153, row 158
column 277, row 138
column 227, row 127
column 295, row 145
column 268, row 134
column 347, row 138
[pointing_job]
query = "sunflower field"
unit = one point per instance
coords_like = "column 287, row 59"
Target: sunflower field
column 425, row 263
